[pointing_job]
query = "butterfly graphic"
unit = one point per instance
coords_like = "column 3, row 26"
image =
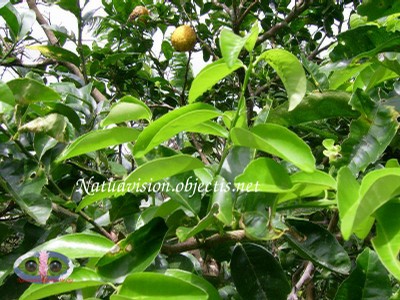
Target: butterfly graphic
column 43, row 267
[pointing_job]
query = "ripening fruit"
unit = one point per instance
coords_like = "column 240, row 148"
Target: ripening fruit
column 183, row 38
column 138, row 11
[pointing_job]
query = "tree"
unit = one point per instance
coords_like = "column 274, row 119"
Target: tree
column 271, row 174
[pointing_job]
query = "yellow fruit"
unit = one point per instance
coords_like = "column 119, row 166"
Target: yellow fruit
column 183, row 38
column 137, row 12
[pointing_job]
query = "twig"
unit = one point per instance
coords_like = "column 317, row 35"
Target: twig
column 185, row 79
column 305, row 278
column 198, row 147
column 246, row 12
column 294, row 13
column 212, row 241
column 97, row 95
column 223, row 6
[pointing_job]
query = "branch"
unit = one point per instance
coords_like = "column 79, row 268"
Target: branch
column 294, row 13
column 97, row 95
column 223, row 6
column 246, row 12
column 212, row 241
column 199, row 149
column 304, row 279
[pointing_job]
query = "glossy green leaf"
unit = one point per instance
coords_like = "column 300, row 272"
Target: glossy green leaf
column 98, row 139
column 210, row 127
column 251, row 37
column 230, row 45
column 138, row 180
column 134, row 253
column 209, row 76
column 6, row 95
column 369, row 280
column 369, row 138
column 78, row 245
column 264, row 175
column 318, row 245
column 377, row 188
column 163, row 211
column 27, row 90
column 314, row 107
column 373, row 9
column 236, row 161
column 341, row 76
column 80, row 278
column 276, row 140
column 57, row 53
column 196, row 281
column 127, row 109
column 387, row 240
column 156, row 286
column 181, row 119
column 290, row 71
column 222, row 197
column 371, row 40
column 308, row 185
column 257, row 274
column 183, row 233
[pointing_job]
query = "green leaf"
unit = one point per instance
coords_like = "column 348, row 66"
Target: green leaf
column 12, row 18
column 318, row 245
column 196, row 281
column 257, row 274
column 369, row 138
column 259, row 227
column 71, row 6
column 139, row 179
column 209, row 76
column 264, row 175
column 235, row 162
column 387, row 240
column 98, row 139
column 371, row 40
column 183, row 233
column 251, row 37
column 170, row 124
column 127, row 109
column 78, row 245
column 157, row 286
column 6, row 95
column 57, row 53
column 314, row 107
column 222, row 197
column 308, row 185
column 134, row 253
column 368, row 281
column 52, row 124
column 230, row 45
column 167, row 50
column 276, row 140
column 210, row 127
column 27, row 90
column 80, row 278
column 291, row 72
column 373, row 9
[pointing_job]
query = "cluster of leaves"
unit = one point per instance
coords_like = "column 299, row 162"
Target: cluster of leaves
column 299, row 148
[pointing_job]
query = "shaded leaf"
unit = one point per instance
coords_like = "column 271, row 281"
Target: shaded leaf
column 57, row 53
column 27, row 90
column 369, row 280
column 318, row 245
column 257, row 275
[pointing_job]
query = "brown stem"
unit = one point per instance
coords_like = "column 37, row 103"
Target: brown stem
column 246, row 12
column 97, row 95
column 198, row 147
column 212, row 241
column 304, row 279
column 293, row 14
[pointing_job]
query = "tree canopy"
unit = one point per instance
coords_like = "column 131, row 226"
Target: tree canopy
column 271, row 173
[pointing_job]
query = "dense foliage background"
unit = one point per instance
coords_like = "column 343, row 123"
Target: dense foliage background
column 296, row 112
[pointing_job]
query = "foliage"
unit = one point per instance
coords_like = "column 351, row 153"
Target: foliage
column 271, row 174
